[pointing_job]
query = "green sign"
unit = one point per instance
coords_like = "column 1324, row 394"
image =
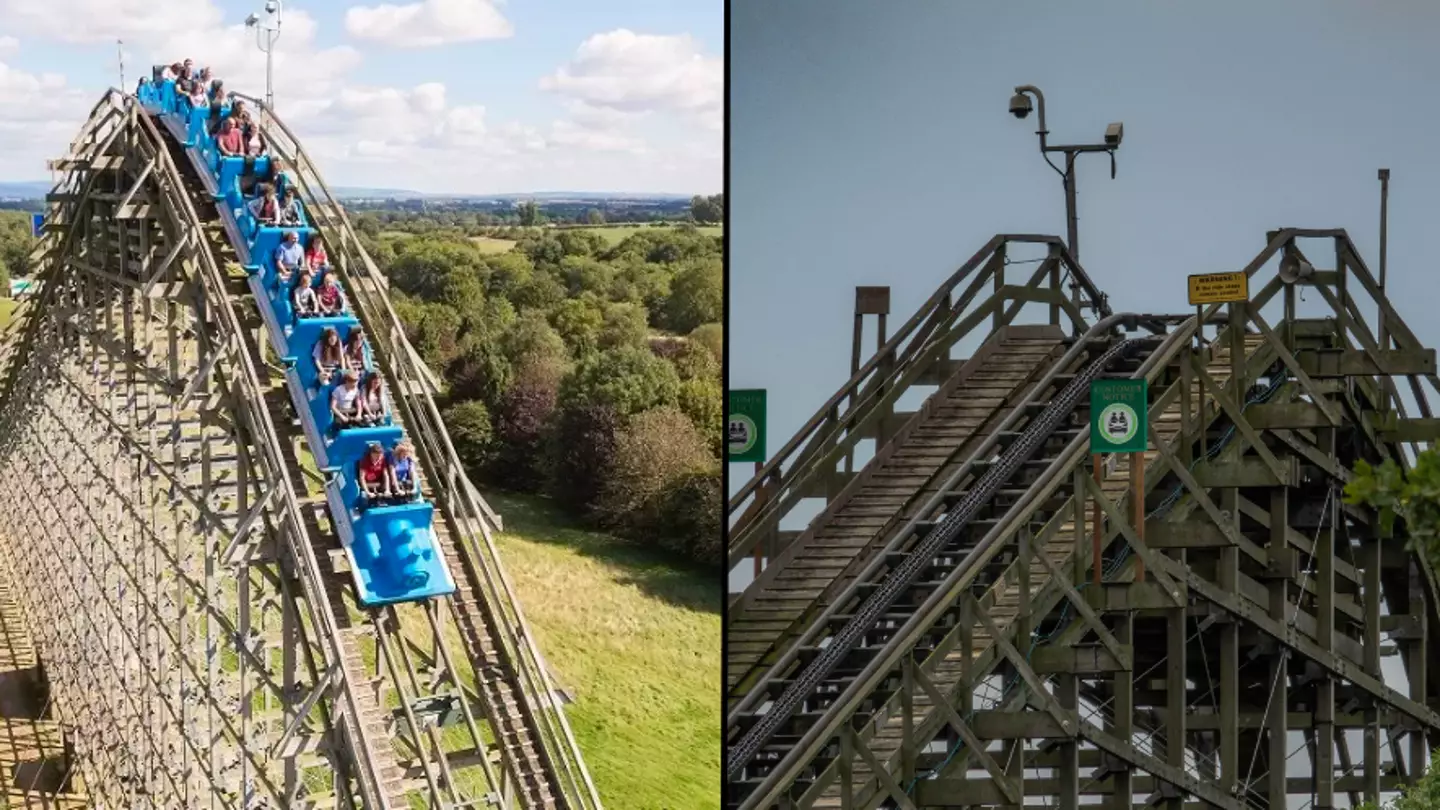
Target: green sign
column 1118, row 410
column 745, row 426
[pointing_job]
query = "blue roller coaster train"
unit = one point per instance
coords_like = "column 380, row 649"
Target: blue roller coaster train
column 389, row 541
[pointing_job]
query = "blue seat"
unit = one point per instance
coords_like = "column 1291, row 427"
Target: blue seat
column 196, row 131
column 167, row 95
column 263, row 242
column 301, row 343
column 231, row 168
column 349, row 446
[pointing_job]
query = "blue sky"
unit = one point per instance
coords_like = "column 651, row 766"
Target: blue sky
column 526, row 105
column 870, row 144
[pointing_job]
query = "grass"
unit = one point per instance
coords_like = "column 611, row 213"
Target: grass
column 615, row 234
column 7, row 310
column 635, row 637
column 490, row 245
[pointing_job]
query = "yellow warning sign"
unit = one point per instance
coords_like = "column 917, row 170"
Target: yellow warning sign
column 1219, row 288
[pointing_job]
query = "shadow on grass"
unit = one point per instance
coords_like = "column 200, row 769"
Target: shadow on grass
column 655, row 572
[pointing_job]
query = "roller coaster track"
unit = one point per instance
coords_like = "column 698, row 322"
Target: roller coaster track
column 929, row 640
column 174, row 558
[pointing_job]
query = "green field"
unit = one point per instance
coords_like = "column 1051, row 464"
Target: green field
column 635, row 637
column 489, row 245
column 615, row 234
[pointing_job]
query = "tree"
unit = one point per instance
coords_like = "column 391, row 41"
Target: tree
column 712, row 337
column 652, row 452
column 525, row 409
column 628, row 380
column 579, row 321
column 624, row 326
column 690, row 516
column 531, row 339
column 1413, row 497
column 480, row 372
column 703, row 401
column 594, row 217
column 529, row 212
column 697, row 296
column 695, row 362
column 580, row 454
column 468, row 424
column 708, row 210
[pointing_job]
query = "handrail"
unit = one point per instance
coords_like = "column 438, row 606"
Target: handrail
column 467, row 510
column 369, row 779
column 892, row 347
column 941, row 324
column 983, row 451
column 959, row 579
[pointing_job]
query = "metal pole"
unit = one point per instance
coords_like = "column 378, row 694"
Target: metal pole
column 270, row 69
column 1384, row 238
column 1072, row 225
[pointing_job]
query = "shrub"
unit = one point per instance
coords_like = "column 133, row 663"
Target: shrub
column 652, row 453
column 703, row 402
column 712, row 337
column 689, row 520
column 580, row 453
column 520, row 421
column 468, row 424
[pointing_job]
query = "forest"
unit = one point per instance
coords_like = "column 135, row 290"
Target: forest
column 578, row 367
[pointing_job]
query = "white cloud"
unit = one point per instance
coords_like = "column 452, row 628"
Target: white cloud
column 9, row 45
column 636, row 73
column 428, row 23
column 92, row 21
column 406, row 137
column 39, row 114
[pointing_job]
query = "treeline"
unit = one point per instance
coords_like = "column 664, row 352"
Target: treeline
column 586, row 372
column 476, row 217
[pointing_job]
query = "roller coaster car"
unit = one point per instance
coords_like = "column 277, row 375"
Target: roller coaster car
column 391, row 548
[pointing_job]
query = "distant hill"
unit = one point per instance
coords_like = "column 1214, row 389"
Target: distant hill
column 33, row 190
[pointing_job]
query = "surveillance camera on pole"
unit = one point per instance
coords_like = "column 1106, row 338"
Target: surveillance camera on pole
column 1020, row 107
column 267, row 30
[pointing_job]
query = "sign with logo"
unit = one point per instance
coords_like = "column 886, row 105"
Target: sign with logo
column 1118, row 411
column 37, row 225
column 745, row 426
column 1219, row 288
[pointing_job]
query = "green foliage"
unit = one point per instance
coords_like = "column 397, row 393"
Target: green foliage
column 1413, row 497
column 708, row 209
column 628, row 380
column 579, row 321
column 697, row 296
column 689, row 519
column 470, row 431
column 624, row 325
column 1423, row 795
column 555, row 349
column 712, row 337
column 580, row 452
column 653, row 454
column 16, row 242
column 531, row 339
column 520, row 419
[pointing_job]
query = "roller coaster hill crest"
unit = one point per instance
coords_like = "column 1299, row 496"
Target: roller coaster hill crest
column 992, row 612
column 218, row 624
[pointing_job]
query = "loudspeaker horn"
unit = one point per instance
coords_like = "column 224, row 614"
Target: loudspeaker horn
column 1293, row 269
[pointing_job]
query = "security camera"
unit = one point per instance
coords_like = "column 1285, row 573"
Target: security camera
column 270, row 7
column 1114, row 133
column 1020, row 105
column 251, row 21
